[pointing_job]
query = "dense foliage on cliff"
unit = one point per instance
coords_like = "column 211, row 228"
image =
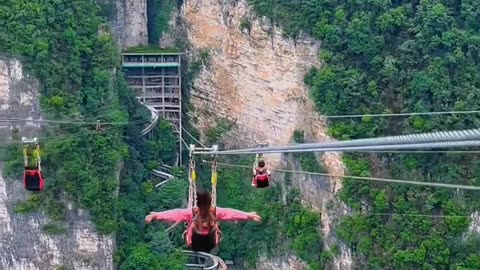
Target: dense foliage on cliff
column 398, row 56
column 66, row 45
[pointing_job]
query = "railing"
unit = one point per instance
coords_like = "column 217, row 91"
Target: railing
column 208, row 261
column 153, row 122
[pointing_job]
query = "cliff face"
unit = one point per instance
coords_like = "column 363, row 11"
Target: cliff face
column 255, row 79
column 291, row 263
column 23, row 243
column 129, row 22
column 474, row 227
column 18, row 98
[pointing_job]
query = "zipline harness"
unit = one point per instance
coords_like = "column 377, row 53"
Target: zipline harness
column 192, row 191
column 36, row 153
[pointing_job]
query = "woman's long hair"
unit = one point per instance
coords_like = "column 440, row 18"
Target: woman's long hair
column 261, row 163
column 205, row 218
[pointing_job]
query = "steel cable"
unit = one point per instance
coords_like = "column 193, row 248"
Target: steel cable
column 371, row 148
column 397, row 181
column 442, row 136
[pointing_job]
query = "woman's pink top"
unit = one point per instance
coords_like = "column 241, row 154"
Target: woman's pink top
column 186, row 215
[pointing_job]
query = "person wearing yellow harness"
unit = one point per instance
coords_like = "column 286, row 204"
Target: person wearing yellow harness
column 203, row 214
column 30, row 157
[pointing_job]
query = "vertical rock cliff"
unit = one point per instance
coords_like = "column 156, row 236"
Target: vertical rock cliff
column 255, row 79
column 128, row 21
column 474, row 227
column 24, row 245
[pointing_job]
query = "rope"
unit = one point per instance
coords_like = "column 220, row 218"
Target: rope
column 59, row 138
column 389, row 114
column 426, row 152
column 255, row 164
column 379, row 147
column 376, row 115
column 443, row 136
column 37, row 153
column 192, row 178
column 374, row 148
column 69, row 122
column 214, row 181
column 184, row 143
column 433, row 184
column 412, row 215
column 195, row 139
column 392, row 114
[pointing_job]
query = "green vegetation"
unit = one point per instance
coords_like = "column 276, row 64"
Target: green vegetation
column 216, row 132
column 74, row 58
column 245, row 24
column 159, row 13
column 54, row 228
column 31, row 204
column 397, row 56
column 108, row 9
column 58, row 58
column 308, row 160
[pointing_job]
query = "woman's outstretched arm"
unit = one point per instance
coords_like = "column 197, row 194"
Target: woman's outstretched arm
column 174, row 215
column 229, row 214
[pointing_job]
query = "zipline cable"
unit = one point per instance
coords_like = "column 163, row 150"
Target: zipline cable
column 195, row 139
column 409, row 215
column 366, row 151
column 373, row 151
column 377, row 114
column 71, row 122
column 397, row 181
column 65, row 137
column 423, row 151
column 442, row 136
column 393, row 114
column 185, row 143
column 61, row 138
column 372, row 148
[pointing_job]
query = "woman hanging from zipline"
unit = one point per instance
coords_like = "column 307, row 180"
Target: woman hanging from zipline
column 261, row 173
column 203, row 232
column 202, row 215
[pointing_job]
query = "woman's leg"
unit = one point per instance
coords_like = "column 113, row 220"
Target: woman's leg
column 203, row 243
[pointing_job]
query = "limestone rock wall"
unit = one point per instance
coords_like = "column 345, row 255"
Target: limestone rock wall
column 129, row 22
column 24, row 245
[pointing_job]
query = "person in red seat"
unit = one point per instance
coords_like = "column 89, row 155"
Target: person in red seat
column 261, row 175
column 33, row 180
column 203, row 232
column 32, row 176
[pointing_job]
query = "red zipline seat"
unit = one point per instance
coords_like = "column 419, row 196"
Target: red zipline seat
column 262, row 180
column 33, row 180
